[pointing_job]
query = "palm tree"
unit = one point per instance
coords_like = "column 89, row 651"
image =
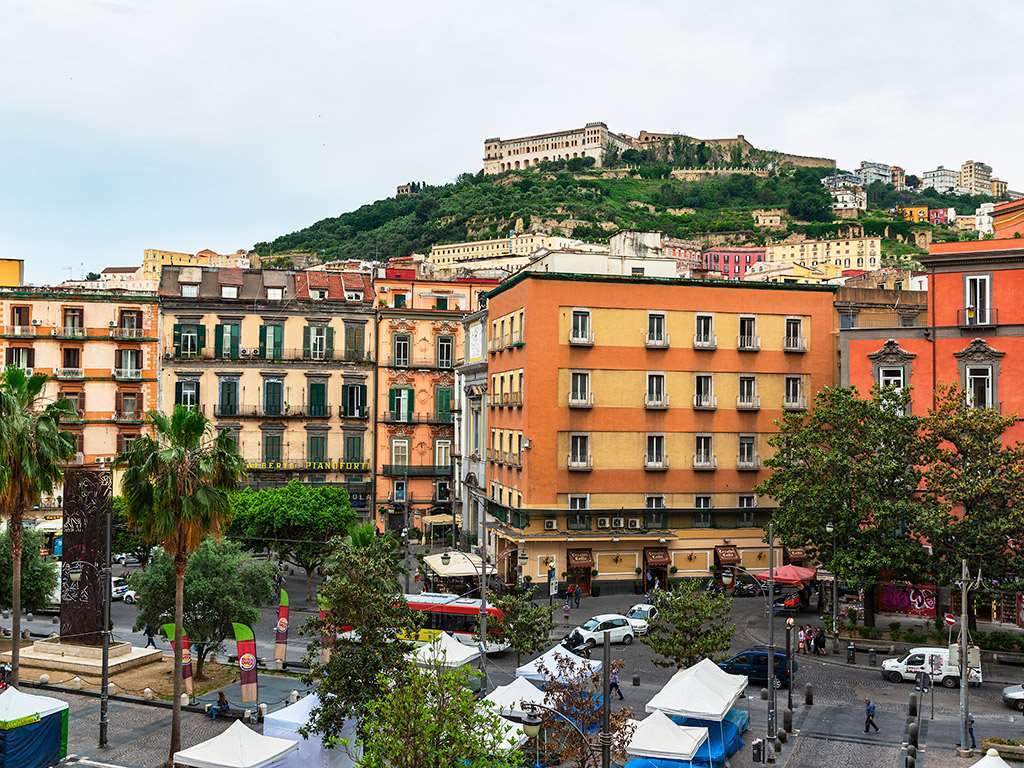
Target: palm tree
column 33, row 450
column 176, row 488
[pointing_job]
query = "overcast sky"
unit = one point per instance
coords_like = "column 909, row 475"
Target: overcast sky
column 185, row 124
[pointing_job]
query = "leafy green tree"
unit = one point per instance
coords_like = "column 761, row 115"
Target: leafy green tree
column 852, row 462
column 93, row 276
column 223, row 584
column 126, row 537
column 526, row 625
column 691, row 624
column 295, row 521
column 975, row 480
column 357, row 650
column 38, row 575
column 33, row 449
column 433, row 720
column 177, row 486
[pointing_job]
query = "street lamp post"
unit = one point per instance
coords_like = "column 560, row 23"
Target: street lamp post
column 966, row 584
column 789, row 662
column 830, row 528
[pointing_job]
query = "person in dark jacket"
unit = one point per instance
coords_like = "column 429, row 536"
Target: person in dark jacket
column 869, row 716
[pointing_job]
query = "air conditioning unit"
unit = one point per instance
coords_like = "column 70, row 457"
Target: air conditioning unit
column 243, row 353
column 112, row 324
column 618, row 522
column 383, row 289
column 53, row 332
column 633, row 523
column 550, row 525
column 79, row 458
column 37, row 322
column 105, row 460
column 603, row 522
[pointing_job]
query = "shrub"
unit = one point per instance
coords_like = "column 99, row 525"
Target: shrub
column 914, row 636
column 851, row 615
column 870, row 633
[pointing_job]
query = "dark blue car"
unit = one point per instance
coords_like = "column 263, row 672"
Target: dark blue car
column 753, row 662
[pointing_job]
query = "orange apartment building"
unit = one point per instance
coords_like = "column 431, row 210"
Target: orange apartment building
column 100, row 349
column 628, row 419
column 419, row 332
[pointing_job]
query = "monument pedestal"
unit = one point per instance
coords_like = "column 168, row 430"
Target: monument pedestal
column 52, row 653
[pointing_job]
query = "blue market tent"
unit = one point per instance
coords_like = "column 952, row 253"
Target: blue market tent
column 33, row 730
column 723, row 740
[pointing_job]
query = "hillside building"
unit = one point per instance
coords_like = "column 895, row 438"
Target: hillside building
column 448, row 255
column 845, row 253
column 732, row 261
column 941, row 179
column 975, row 177
column 870, row 172
column 591, row 140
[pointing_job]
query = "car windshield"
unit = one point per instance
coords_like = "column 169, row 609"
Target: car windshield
column 591, row 625
column 639, row 613
column 903, row 658
column 119, row 582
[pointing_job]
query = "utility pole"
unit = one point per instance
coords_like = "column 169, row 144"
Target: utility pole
column 963, row 659
column 483, row 610
column 606, row 709
column 105, row 589
column 772, row 727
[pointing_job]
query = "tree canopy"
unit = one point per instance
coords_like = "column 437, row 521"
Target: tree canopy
column 526, row 626
column 38, row 575
column 691, row 624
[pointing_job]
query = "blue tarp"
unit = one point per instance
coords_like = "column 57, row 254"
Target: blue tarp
column 740, row 717
column 713, row 751
column 34, row 745
column 656, row 762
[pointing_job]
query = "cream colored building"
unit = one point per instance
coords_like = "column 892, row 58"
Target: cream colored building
column 448, row 254
column 793, row 273
column 846, row 253
column 502, row 155
column 155, row 259
column 976, row 177
column 999, row 187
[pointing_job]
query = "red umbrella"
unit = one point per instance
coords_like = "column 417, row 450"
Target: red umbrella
column 790, row 574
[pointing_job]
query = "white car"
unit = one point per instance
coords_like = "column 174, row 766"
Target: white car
column 591, row 632
column 639, row 617
column 1013, row 697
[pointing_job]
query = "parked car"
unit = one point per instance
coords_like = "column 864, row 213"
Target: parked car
column 787, row 603
column 1013, row 697
column 130, row 596
column 118, row 588
column 591, row 632
column 753, row 662
column 640, row 616
column 935, row 661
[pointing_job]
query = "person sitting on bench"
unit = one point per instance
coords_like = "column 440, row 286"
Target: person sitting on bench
column 221, row 707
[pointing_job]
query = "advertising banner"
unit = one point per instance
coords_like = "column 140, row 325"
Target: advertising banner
column 186, row 655
column 245, row 642
column 281, row 630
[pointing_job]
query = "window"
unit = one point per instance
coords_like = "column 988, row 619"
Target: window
column 189, row 290
column 400, row 403
column 402, row 345
column 443, row 403
column 319, row 342
column 847, row 320
column 21, row 357
column 272, row 442
column 636, row 271
column 908, row 321
column 654, row 516
column 445, row 344
column 21, row 317
column 353, row 295
column 71, row 357
column 128, row 363
column 748, row 451
column 794, row 333
column 316, row 446
column 400, row 451
column 579, row 393
column 979, row 386
column 73, row 321
column 748, row 391
column 124, row 439
column 441, row 302
column 704, row 450
column 703, row 394
column 186, row 392
column 977, row 300
column 580, row 332
column 353, row 448
column 398, row 490
column 355, row 341
column 399, row 300
column 578, row 521
column 226, row 341
column 229, row 291
column 704, row 335
column 442, row 491
column 794, row 392
column 579, row 450
column 189, row 339
column 890, row 377
column 228, row 405
column 318, row 398
column 272, row 342
column 748, row 333
column 130, row 405
column 702, row 513
column 273, row 397
column 442, row 453
column 130, row 323
column 656, row 335
column 275, row 294
column 656, row 395
column 747, row 504
column 353, row 400
column 655, row 456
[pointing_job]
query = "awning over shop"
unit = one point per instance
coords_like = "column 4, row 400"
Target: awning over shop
column 789, row 574
column 727, row 554
column 796, row 555
column 580, row 558
column 460, row 565
column 657, row 556
column 440, row 519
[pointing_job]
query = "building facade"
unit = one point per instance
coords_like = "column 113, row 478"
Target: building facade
column 999, row 188
column 628, row 419
column 870, row 172
column 845, row 253
column 732, row 261
column 100, row 349
column 975, row 177
column 419, row 333
column 502, row 155
column 447, row 255
column 898, row 178
column 284, row 361
column 470, row 454
column 941, row 179
column 848, row 201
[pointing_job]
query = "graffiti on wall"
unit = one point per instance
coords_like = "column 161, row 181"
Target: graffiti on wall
column 908, row 599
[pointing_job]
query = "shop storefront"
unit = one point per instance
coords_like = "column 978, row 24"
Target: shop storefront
column 580, row 563
column 726, row 556
column 656, row 567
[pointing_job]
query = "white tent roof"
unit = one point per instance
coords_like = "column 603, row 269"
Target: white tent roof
column 461, row 564
column 658, row 737
column 237, row 747
column 15, row 705
column 446, row 650
column 512, row 733
column 704, row 691
column 508, row 699
column 991, row 760
column 531, row 670
column 285, row 724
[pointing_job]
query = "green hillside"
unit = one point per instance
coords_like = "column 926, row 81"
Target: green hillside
column 588, row 204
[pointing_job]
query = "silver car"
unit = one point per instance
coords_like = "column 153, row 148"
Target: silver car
column 640, row 616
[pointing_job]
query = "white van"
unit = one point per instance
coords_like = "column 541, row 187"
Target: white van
column 933, row 660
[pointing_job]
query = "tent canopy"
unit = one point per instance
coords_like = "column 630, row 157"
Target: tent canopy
column 512, row 733
column 789, row 574
column 16, row 705
column 579, row 666
column 441, row 519
column 703, row 691
column 461, row 565
column 237, row 747
column 508, row 699
column 991, row 760
column 657, row 736
column 285, row 724
column 445, row 650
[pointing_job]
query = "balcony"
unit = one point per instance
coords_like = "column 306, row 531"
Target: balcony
column 350, row 413
column 798, row 403
column 515, row 400
column 274, row 412
column 705, row 402
column 69, row 373
column 402, row 417
column 705, row 461
column 581, row 399
column 703, row 341
column 752, row 403
column 794, row 344
column 496, row 457
column 748, row 343
column 748, row 462
column 404, row 361
column 69, row 332
column 655, row 463
column 74, row 418
column 127, row 374
column 656, row 342
column 20, row 330
column 266, row 356
column 581, row 337
column 656, row 402
column 417, row 470
column 127, row 333
column 128, row 417
column 969, row 317
column 516, row 340
column 580, row 463
column 514, row 460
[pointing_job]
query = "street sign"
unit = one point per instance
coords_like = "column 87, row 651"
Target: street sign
column 949, row 620
column 552, row 581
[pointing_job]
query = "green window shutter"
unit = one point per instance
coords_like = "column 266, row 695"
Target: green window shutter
column 201, row 335
column 236, row 337
column 443, row 402
column 361, row 391
column 317, row 398
column 409, row 400
column 305, row 341
column 177, row 393
column 177, row 340
column 393, row 401
column 218, row 341
column 198, row 401
column 263, row 341
column 278, row 342
column 330, row 343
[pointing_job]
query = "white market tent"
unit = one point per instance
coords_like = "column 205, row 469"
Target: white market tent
column 444, row 650
column 508, row 699
column 17, row 705
column 658, row 737
column 579, row 666
column 238, row 747
column 991, row 760
column 285, row 724
column 460, row 565
column 704, row 692
column 513, row 733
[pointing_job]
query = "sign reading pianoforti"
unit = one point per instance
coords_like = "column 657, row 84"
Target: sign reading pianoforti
column 327, row 465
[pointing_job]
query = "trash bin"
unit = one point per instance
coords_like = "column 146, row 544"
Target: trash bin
column 757, row 751
column 872, row 657
column 851, row 654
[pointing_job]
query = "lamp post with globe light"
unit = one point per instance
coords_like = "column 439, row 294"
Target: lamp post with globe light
column 831, row 529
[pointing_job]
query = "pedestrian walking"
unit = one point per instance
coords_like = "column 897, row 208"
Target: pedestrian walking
column 565, row 611
column 613, row 683
column 970, row 731
column 819, row 640
column 869, row 716
column 577, row 595
column 149, row 632
column 568, row 593
column 800, row 637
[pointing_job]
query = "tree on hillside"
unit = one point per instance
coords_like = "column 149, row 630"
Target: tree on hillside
column 33, row 450
column 526, row 625
column 223, row 584
column 295, row 521
column 853, row 462
column 176, row 486
column 431, row 719
column 357, row 650
column 692, row 624
column 38, row 575
column 975, row 480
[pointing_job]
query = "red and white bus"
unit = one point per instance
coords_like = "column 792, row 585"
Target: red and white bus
column 459, row 616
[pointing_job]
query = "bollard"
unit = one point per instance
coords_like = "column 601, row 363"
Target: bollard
column 44, row 679
column 55, row 620
column 184, row 700
column 757, row 751
column 263, row 709
column 911, row 750
column 912, row 734
column 777, row 745
column 293, row 697
column 912, row 707
column 75, row 683
column 636, row 680
column 787, row 720
column 872, row 657
column 147, row 694
column 809, row 694
column 25, row 635
column 764, row 694
column 111, row 689
column 29, row 617
column 782, row 737
column 911, row 762
column 851, row 654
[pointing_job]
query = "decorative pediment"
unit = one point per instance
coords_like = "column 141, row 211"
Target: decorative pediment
column 401, row 324
column 891, row 353
column 443, row 379
column 401, row 380
column 445, row 326
column 978, row 351
column 400, row 430
column 471, row 480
